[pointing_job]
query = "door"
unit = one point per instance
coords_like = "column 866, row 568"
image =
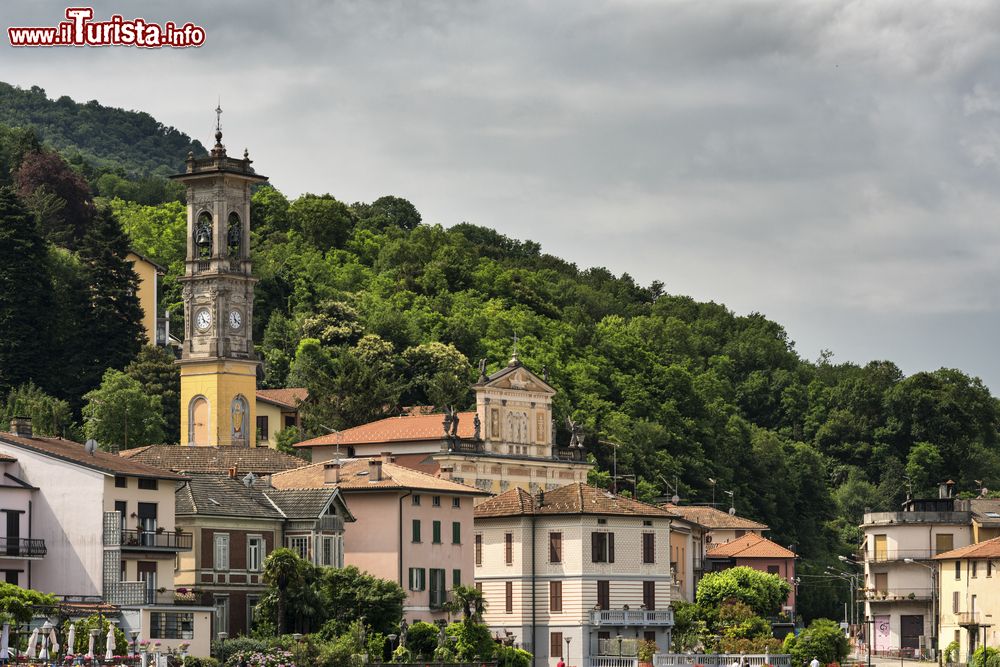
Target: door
column 882, row 633
column 147, row 524
column 13, row 533
column 911, row 630
column 881, row 548
column 943, row 542
column 147, row 574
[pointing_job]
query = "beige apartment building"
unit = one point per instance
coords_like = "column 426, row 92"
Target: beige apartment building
column 575, row 572
column 969, row 600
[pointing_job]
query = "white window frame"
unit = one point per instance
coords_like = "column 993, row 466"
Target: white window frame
column 293, row 540
column 221, row 619
column 221, row 544
column 256, row 543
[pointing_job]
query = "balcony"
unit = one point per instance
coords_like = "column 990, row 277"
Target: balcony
column 630, row 617
column 898, row 595
column 890, row 555
column 968, row 618
column 569, row 453
column 149, row 540
column 129, row 593
column 895, row 518
column 465, row 446
column 15, row 547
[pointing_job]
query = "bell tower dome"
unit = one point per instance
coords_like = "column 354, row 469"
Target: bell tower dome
column 218, row 363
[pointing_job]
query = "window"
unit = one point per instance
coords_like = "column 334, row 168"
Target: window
column 147, row 523
column 649, row 594
column 975, row 569
column 881, row 547
column 437, row 588
column 327, row 551
column 122, row 508
column 436, row 532
column 221, row 614
column 11, row 576
column 252, row 602
column 456, row 578
column 417, row 582
column 555, row 645
column 416, row 530
column 602, row 547
column 479, row 549
column 299, row 545
column 943, row 542
column 958, row 570
column 456, row 503
column 479, row 586
column 955, row 600
column 648, row 548
column 255, row 553
column 555, row 596
column 121, row 482
column 508, row 548
column 989, row 568
column 773, row 569
column 436, row 501
column 882, row 582
column 555, row 547
column 262, row 428
column 456, row 532
column 740, row 533
column 221, row 551
column 148, row 484
column 509, row 597
column 171, row 625
column 604, row 594
column 415, row 500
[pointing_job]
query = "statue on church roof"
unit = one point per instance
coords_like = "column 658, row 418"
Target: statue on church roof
column 576, row 433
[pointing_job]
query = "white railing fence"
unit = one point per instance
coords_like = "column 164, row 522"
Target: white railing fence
column 721, row 659
column 612, row 661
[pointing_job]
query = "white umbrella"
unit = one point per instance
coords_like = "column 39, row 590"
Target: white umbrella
column 5, row 642
column 110, row 653
column 53, row 641
column 32, row 644
column 71, row 639
column 90, row 645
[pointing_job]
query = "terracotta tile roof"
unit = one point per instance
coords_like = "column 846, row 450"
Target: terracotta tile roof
column 986, row 549
column 286, row 398
column 577, row 498
column 750, row 545
column 218, row 460
column 354, row 476
column 396, row 429
column 74, row 453
column 711, row 518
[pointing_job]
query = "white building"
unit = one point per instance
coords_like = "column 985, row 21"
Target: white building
column 574, row 572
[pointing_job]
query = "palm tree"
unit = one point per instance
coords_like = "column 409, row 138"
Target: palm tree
column 281, row 571
column 470, row 600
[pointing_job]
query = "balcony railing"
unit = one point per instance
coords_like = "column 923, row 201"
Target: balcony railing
column 898, row 594
column 889, row 555
column 895, row 518
column 569, row 453
column 129, row 593
column 467, row 446
column 15, row 547
column 142, row 540
column 631, row 617
column 968, row 617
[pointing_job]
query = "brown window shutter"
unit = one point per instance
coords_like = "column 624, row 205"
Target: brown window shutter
column 649, row 594
column 509, row 597
column 555, row 547
column 508, row 540
column 611, row 547
column 596, row 548
column 555, row 596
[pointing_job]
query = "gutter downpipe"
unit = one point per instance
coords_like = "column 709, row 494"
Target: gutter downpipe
column 408, row 493
column 534, row 645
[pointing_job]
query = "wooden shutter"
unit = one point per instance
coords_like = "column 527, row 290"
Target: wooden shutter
column 436, row 529
column 611, row 547
column 508, row 543
column 509, row 597
column 456, row 532
column 597, row 547
column 555, row 645
column 479, row 549
column 555, row 596
column 604, row 594
column 648, row 548
column 416, row 530
column 649, row 594
column 555, row 547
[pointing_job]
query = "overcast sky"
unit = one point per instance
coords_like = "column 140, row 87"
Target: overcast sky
column 833, row 165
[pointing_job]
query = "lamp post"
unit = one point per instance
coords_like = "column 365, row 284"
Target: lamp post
column 223, row 636
column 934, row 604
column 135, row 642
column 568, row 639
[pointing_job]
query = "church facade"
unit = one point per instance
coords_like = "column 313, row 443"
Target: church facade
column 218, row 364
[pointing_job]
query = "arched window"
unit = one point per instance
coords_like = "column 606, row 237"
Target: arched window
column 198, row 416
column 240, row 422
column 203, row 235
column 234, row 237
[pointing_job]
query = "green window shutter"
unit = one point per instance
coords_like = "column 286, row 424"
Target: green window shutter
column 421, row 579
column 437, row 532
column 416, row 530
column 456, row 578
column 456, row 532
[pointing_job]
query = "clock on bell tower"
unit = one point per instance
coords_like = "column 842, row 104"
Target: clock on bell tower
column 218, row 363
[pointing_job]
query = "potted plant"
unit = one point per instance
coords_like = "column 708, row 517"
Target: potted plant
column 645, row 652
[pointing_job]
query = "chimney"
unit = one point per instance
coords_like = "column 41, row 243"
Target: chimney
column 374, row 470
column 951, row 485
column 446, row 472
column 387, row 457
column 331, row 473
column 21, row 427
column 232, row 473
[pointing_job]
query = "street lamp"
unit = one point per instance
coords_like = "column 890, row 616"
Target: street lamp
column 568, row 639
column 223, row 636
column 934, row 603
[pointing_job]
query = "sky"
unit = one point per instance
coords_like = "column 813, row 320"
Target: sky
column 832, row 165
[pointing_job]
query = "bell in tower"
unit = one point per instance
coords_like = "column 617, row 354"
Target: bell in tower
column 218, row 363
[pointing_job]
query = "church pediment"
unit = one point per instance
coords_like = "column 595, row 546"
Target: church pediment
column 518, row 378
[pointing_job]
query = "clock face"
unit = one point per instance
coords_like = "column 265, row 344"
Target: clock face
column 235, row 319
column 203, row 320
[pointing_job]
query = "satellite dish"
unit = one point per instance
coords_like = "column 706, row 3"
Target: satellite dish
column 675, row 499
column 249, row 479
column 732, row 511
column 90, row 446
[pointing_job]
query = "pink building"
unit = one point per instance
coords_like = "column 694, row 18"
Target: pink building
column 752, row 550
column 412, row 527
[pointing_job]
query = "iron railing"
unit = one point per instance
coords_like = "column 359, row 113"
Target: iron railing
column 19, row 547
column 152, row 539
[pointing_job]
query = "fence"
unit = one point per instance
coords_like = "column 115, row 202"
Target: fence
column 613, row 661
column 721, row 659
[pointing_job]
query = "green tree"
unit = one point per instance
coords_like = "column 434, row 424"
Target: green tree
column 158, row 375
column 322, row 220
column 102, row 625
column 20, row 605
column 764, row 593
column 924, row 468
column 284, row 575
column 422, row 639
column 823, row 640
column 350, row 594
column 120, row 413
column 49, row 415
column 387, row 212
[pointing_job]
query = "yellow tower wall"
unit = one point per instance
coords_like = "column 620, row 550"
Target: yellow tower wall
column 219, row 381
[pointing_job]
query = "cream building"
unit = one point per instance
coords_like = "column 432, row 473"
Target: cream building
column 969, row 601
column 574, row 572
column 508, row 442
column 898, row 552
column 108, row 527
column 277, row 409
column 149, row 273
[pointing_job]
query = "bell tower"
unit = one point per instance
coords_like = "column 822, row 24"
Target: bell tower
column 218, row 363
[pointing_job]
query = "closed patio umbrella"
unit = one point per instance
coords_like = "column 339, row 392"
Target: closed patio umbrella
column 53, row 641
column 71, row 639
column 5, row 643
column 90, row 644
column 32, row 644
column 110, row 653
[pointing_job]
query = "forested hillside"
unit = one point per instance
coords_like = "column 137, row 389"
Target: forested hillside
column 374, row 309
